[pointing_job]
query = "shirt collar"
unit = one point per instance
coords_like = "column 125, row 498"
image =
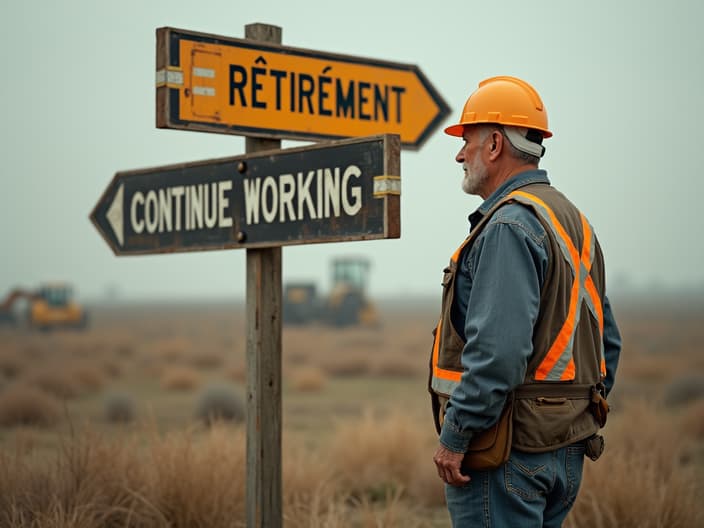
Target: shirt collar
column 519, row 180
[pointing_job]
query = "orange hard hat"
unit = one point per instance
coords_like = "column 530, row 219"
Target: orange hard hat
column 506, row 101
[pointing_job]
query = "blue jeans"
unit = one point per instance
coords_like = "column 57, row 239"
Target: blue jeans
column 530, row 490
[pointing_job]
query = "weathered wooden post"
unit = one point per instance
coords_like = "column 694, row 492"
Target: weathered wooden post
column 264, row 487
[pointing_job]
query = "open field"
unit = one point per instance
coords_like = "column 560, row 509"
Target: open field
column 113, row 426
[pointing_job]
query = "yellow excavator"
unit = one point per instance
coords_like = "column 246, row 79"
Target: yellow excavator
column 346, row 305
column 50, row 306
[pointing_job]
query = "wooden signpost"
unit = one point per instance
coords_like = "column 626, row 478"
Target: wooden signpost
column 342, row 190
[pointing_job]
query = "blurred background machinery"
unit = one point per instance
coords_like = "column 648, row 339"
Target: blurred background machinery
column 347, row 304
column 50, row 306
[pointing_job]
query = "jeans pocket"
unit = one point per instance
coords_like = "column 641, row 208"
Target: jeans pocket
column 574, row 464
column 528, row 475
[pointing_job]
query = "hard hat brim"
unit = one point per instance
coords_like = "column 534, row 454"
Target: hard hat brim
column 455, row 130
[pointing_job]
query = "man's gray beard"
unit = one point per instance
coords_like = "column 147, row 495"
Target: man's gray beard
column 473, row 179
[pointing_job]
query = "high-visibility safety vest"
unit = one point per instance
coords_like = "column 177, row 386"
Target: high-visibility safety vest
column 551, row 406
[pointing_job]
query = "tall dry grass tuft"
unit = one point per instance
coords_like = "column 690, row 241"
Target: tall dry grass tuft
column 55, row 380
column 308, row 379
column 684, row 390
column 206, row 360
column 171, row 349
column 642, row 479
column 24, row 405
column 311, row 493
column 693, row 422
column 344, row 366
column 376, row 455
column 89, row 376
column 198, row 481
column 180, row 378
column 11, row 364
column 91, row 483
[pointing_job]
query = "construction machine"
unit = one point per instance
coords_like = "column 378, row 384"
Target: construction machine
column 347, row 303
column 300, row 304
column 50, row 306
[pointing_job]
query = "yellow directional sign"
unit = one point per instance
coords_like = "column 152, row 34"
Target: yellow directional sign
column 236, row 86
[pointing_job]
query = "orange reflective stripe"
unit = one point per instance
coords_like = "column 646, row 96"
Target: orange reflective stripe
column 582, row 286
column 450, row 375
column 563, row 338
column 587, row 261
column 456, row 255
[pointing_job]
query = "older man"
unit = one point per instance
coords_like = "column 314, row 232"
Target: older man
column 525, row 322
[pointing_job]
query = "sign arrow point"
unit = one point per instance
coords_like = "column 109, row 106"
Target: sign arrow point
column 115, row 217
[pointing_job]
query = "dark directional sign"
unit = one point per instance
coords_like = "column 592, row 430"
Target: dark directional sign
column 236, row 86
column 330, row 192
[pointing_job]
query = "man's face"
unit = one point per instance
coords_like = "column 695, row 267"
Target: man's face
column 475, row 171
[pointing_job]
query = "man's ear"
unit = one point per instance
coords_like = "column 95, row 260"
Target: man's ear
column 497, row 144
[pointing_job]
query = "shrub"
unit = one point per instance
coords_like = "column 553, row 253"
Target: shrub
column 10, row 365
column 180, row 378
column 88, row 376
column 310, row 379
column 56, row 381
column 642, row 478
column 237, row 373
column 375, row 456
column 693, row 421
column 206, row 360
column 347, row 367
column 171, row 349
column 397, row 368
column 684, row 390
column 220, row 402
column 24, row 405
column 119, row 407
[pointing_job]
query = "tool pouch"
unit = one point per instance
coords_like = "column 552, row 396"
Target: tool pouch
column 594, row 446
column 598, row 405
column 492, row 447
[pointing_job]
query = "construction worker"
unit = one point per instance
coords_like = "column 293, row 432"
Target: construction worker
column 525, row 325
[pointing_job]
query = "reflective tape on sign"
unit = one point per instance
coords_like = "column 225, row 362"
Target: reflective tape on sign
column 204, row 90
column 173, row 78
column 204, row 72
column 385, row 185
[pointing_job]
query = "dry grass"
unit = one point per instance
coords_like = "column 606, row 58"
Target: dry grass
column 89, row 376
column 308, row 379
column 373, row 469
column 56, row 380
column 643, row 479
column 377, row 455
column 11, row 363
column 24, row 405
column 180, row 378
column 347, row 366
column 171, row 349
column 693, row 422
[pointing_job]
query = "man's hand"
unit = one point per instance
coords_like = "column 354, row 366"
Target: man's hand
column 448, row 464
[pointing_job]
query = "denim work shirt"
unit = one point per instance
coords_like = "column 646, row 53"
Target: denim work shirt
column 496, row 303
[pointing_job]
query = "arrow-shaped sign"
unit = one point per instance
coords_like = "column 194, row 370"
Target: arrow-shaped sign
column 236, row 86
column 330, row 192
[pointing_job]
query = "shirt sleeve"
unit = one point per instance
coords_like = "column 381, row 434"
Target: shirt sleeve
column 507, row 264
column 612, row 345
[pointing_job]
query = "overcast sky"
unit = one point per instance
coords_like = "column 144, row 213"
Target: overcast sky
column 621, row 81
